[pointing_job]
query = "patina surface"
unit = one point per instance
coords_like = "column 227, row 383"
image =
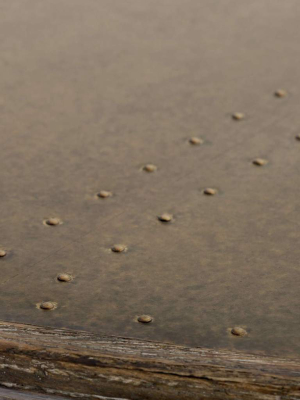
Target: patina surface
column 90, row 93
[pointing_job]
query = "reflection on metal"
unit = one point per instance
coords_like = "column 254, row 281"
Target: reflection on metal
column 90, row 93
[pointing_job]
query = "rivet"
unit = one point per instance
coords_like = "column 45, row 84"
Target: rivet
column 47, row 305
column 104, row 194
column 2, row 253
column 259, row 162
column 238, row 116
column 145, row 319
column 210, row 191
column 118, row 248
column 53, row 221
column 165, row 217
column 150, row 168
column 196, row 141
column 64, row 277
column 237, row 331
column 280, row 93
column 297, row 137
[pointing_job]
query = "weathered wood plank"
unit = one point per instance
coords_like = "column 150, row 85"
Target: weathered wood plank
column 87, row 366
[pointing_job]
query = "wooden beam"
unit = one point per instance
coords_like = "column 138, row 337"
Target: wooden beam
column 83, row 365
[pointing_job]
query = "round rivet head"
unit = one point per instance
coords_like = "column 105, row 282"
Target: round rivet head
column 118, row 248
column 103, row 194
column 64, row 277
column 195, row 141
column 260, row 162
column 53, row 221
column 297, row 137
column 47, row 305
column 210, row 191
column 237, row 331
column 165, row 217
column 238, row 116
column 280, row 93
column 150, row 168
column 2, row 253
column 145, row 319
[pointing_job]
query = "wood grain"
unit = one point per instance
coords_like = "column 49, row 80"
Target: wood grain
column 82, row 365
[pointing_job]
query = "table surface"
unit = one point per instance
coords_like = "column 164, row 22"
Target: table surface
column 90, row 92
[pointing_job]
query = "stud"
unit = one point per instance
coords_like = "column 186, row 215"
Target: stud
column 237, row 331
column 103, row 194
column 260, row 162
column 150, row 168
column 53, row 221
column 210, row 191
column 280, row 93
column 47, row 305
column 118, row 248
column 238, row 116
column 165, row 217
column 2, row 253
column 145, row 319
column 195, row 141
column 64, row 277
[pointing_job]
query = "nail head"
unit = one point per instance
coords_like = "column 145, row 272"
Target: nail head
column 118, row 248
column 238, row 116
column 237, row 331
column 64, row 277
column 195, row 141
column 260, row 162
column 297, row 137
column 150, row 168
column 2, row 253
column 210, row 191
column 104, row 194
column 53, row 221
column 47, row 305
column 165, row 217
column 280, row 93
column 145, row 319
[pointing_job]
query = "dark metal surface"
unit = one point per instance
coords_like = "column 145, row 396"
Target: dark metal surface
column 91, row 92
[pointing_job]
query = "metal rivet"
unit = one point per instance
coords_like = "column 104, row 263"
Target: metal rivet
column 53, row 221
column 104, row 194
column 64, row 277
column 280, row 93
column 118, row 248
column 297, row 137
column 145, row 319
column 2, row 253
column 238, row 116
column 47, row 305
column 196, row 141
column 260, row 162
column 237, row 331
column 165, row 217
column 150, row 168
column 210, row 191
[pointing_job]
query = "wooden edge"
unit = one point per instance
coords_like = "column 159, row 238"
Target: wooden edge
column 87, row 366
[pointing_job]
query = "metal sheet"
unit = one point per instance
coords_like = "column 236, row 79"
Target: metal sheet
column 92, row 91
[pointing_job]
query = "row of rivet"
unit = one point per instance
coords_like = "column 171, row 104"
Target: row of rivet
column 165, row 217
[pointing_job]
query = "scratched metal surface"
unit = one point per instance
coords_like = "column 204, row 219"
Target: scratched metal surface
column 90, row 91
